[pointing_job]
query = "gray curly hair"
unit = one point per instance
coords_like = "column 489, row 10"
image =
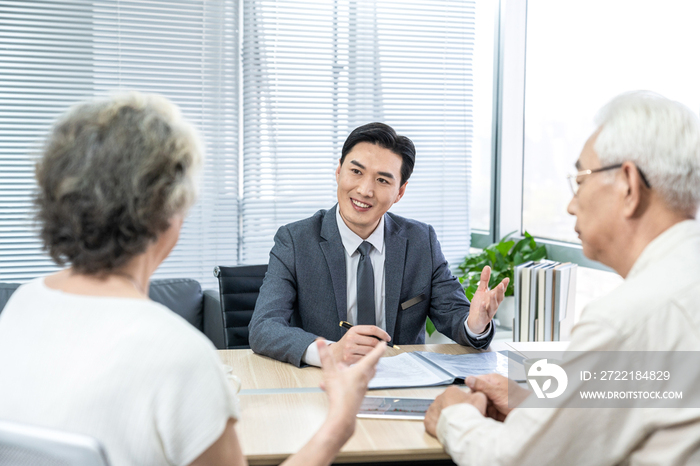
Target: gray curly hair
column 113, row 174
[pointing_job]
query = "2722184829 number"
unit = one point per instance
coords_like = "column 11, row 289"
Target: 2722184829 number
column 633, row 375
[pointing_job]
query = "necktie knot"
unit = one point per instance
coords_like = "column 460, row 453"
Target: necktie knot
column 365, row 248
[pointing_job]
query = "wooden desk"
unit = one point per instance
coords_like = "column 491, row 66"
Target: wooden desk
column 282, row 407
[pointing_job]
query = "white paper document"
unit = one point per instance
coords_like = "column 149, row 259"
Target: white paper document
column 423, row 369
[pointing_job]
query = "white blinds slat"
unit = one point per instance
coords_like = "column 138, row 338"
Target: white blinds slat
column 313, row 71
column 56, row 53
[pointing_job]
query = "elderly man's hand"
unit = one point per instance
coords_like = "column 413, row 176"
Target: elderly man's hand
column 499, row 390
column 485, row 302
column 449, row 397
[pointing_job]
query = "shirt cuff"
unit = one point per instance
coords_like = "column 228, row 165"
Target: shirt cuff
column 475, row 336
column 311, row 356
column 467, row 436
column 458, row 414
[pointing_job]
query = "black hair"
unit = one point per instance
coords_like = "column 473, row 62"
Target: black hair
column 384, row 136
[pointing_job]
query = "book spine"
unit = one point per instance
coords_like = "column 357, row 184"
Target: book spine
column 533, row 305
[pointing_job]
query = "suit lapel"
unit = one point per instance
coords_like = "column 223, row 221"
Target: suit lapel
column 332, row 248
column 393, row 271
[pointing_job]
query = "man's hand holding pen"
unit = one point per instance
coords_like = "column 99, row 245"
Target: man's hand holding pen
column 357, row 341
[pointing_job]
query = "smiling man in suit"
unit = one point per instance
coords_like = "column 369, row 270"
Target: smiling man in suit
column 355, row 262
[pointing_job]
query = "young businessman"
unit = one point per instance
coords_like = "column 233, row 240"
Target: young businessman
column 636, row 195
column 355, row 262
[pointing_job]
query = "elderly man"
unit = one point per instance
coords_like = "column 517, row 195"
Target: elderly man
column 635, row 199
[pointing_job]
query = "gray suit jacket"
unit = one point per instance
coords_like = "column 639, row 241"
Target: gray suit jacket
column 304, row 294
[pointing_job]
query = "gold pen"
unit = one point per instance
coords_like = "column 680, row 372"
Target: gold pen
column 348, row 325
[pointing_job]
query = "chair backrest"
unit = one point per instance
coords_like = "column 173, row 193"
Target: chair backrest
column 6, row 290
column 239, row 288
column 181, row 295
column 23, row 445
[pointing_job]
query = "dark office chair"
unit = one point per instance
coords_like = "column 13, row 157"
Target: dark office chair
column 239, row 288
column 23, row 445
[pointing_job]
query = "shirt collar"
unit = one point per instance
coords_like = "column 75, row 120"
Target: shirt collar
column 350, row 239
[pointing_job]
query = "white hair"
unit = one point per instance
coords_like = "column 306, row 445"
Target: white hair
column 661, row 137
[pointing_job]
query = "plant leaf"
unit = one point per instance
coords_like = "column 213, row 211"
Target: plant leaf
column 520, row 245
column 503, row 248
column 429, row 327
column 471, row 289
column 539, row 253
column 500, row 263
column 491, row 254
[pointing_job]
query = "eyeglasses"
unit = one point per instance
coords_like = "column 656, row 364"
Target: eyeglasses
column 576, row 180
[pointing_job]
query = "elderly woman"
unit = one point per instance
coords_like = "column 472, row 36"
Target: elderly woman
column 85, row 350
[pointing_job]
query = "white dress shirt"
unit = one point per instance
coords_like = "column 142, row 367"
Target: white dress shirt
column 351, row 241
column 352, row 259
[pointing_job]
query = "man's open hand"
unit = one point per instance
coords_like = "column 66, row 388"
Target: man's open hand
column 485, row 302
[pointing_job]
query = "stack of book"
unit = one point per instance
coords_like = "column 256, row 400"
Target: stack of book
column 544, row 298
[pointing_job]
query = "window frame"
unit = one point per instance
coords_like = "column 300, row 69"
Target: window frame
column 508, row 155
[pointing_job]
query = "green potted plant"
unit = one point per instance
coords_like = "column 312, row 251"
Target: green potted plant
column 502, row 257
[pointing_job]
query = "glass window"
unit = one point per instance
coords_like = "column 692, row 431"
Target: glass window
column 581, row 54
column 484, row 54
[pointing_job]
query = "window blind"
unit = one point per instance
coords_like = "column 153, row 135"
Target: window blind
column 312, row 72
column 56, row 53
column 315, row 70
